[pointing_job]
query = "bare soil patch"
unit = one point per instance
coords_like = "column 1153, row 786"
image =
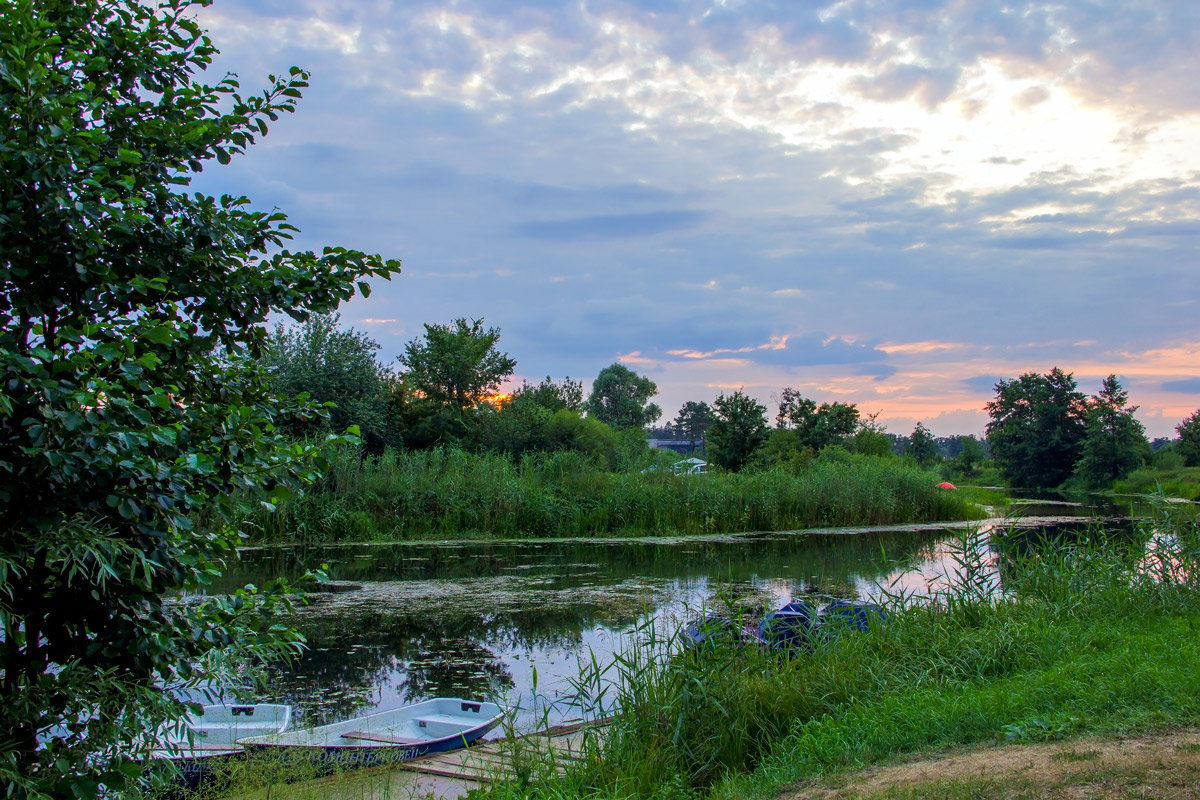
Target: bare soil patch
column 1165, row 765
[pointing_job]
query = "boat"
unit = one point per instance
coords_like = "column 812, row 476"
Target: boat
column 199, row 741
column 431, row 726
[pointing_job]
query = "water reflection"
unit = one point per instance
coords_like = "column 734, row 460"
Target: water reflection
column 476, row 620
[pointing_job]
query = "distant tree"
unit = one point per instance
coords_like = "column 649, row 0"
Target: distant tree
column 1114, row 443
column 522, row 422
column 738, row 429
column 1189, row 440
column 331, row 365
column 817, row 426
column 551, row 396
column 921, row 446
column 620, row 398
column 1037, row 428
column 456, row 366
column 970, row 452
column 871, row 439
column 693, row 421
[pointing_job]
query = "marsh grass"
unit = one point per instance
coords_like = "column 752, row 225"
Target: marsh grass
column 442, row 494
column 1092, row 636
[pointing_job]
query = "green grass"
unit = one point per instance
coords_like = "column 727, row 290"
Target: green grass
column 1180, row 482
column 450, row 494
column 1089, row 639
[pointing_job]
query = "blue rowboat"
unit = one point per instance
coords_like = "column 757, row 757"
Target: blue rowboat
column 203, row 740
column 431, row 726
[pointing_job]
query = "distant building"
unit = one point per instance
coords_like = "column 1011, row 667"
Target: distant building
column 675, row 445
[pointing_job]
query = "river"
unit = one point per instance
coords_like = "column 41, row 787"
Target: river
column 403, row 622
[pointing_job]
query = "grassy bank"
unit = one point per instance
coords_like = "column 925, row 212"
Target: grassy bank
column 440, row 494
column 1092, row 638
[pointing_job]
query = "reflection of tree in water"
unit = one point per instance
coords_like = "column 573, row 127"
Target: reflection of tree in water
column 576, row 562
column 360, row 650
column 449, row 625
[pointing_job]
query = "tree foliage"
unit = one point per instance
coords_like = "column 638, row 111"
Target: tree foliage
column 738, row 429
column 620, row 398
column 1189, row 439
column 693, row 422
column 331, row 366
column 817, row 426
column 871, row 439
column 1114, row 443
column 522, row 423
column 921, row 446
column 128, row 309
column 1037, row 428
column 456, row 366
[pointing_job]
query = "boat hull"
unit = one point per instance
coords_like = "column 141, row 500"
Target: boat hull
column 209, row 739
column 432, row 726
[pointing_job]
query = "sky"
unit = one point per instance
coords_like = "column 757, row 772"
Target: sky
column 887, row 203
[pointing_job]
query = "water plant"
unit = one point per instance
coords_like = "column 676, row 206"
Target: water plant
column 446, row 493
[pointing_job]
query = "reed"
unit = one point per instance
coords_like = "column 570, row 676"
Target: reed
column 440, row 494
column 1091, row 636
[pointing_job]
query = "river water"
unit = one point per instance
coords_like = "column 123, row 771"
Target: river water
column 512, row 619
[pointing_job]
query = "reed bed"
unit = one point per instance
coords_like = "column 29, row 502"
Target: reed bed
column 440, row 494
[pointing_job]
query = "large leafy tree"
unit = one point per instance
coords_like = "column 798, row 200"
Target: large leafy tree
column 1114, row 442
column 332, row 366
column 738, row 430
column 1037, row 428
column 455, row 366
column 620, row 398
column 129, row 313
column 1189, row 439
column 816, row 426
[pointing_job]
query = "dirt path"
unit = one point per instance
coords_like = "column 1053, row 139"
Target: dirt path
column 1162, row 766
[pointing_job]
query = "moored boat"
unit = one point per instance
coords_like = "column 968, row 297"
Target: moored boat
column 431, row 726
column 212, row 735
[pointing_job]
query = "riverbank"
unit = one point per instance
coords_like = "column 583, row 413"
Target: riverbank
column 1093, row 637
column 450, row 494
column 1164, row 765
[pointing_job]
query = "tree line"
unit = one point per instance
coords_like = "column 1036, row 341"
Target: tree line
column 1042, row 430
column 442, row 390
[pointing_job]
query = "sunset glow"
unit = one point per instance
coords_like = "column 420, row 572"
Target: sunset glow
column 890, row 204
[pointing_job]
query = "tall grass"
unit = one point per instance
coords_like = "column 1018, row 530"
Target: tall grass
column 1092, row 636
column 436, row 494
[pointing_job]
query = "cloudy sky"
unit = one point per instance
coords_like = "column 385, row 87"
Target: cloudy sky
column 888, row 203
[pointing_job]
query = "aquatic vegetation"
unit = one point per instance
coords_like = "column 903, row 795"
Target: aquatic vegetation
column 447, row 494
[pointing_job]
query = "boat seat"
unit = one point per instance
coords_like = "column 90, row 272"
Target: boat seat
column 446, row 719
column 367, row 736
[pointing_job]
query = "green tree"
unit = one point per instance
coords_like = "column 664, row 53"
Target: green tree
column 693, row 421
column 620, row 398
column 738, row 430
column 332, row 366
column 1188, row 445
column 551, row 396
column 971, row 453
column 522, row 422
column 1114, row 443
column 921, row 446
column 817, row 426
column 871, row 439
column 1037, row 427
column 456, row 366
column 130, row 316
